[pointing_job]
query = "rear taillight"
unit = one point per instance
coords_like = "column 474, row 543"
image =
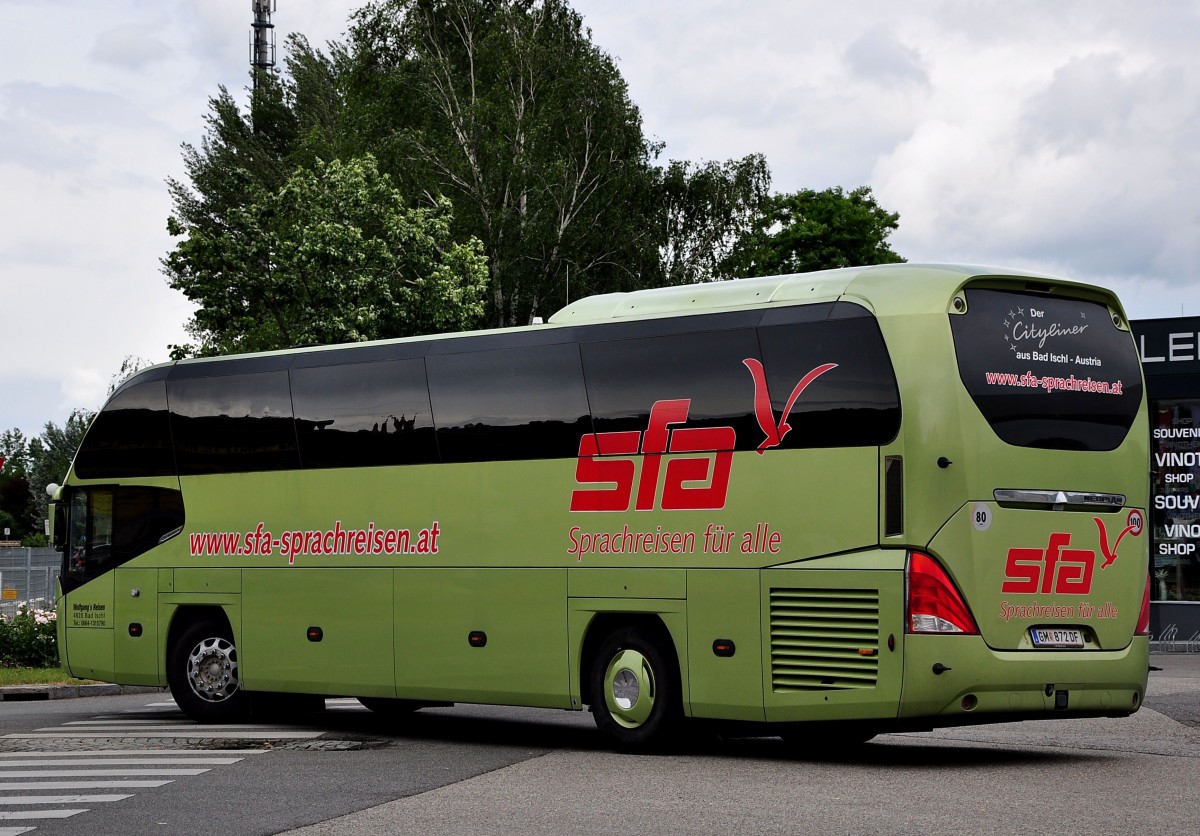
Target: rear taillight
column 934, row 604
column 1143, row 625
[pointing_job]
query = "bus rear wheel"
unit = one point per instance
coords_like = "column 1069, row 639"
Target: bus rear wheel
column 202, row 670
column 635, row 691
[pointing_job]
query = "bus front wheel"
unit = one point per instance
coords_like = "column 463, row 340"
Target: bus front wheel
column 635, row 691
column 202, row 670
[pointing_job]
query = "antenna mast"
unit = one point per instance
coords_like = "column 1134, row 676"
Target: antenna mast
column 262, row 37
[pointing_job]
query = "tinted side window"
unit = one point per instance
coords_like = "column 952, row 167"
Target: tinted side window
column 519, row 403
column 832, row 381
column 363, row 414
column 231, row 424
column 625, row 378
column 131, row 437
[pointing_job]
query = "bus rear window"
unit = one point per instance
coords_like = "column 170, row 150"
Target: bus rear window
column 1047, row 372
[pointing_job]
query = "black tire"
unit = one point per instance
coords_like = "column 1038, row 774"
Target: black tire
column 635, row 691
column 202, row 671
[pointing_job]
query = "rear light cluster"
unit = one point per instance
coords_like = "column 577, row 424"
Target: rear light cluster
column 934, row 604
column 1143, row 625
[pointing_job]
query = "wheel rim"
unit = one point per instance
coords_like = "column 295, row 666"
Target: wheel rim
column 629, row 689
column 212, row 670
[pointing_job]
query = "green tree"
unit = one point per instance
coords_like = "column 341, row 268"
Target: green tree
column 51, row 453
column 292, row 120
column 810, row 230
column 705, row 210
column 14, row 485
column 509, row 109
column 32, row 464
column 333, row 255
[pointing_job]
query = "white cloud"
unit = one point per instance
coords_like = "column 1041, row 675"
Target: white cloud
column 83, row 387
column 130, row 47
column 881, row 57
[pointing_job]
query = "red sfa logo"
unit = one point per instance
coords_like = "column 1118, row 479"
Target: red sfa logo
column 660, row 437
column 1063, row 570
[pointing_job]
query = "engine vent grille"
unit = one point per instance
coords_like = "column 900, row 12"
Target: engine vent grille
column 824, row 639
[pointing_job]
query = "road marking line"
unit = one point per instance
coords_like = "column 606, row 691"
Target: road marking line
column 82, row 785
column 158, row 728
column 41, row 814
column 215, row 735
column 133, row 752
column 125, row 762
column 63, row 799
column 96, row 773
column 163, row 722
column 15, row 831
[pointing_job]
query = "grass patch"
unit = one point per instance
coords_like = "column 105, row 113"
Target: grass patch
column 38, row 676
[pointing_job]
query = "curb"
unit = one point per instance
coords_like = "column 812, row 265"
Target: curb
column 28, row 693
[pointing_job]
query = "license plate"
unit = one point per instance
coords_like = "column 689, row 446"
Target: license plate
column 1056, row 637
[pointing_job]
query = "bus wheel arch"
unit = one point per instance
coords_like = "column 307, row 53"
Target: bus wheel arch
column 630, row 676
column 202, row 666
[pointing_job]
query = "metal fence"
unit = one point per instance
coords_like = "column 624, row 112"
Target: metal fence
column 27, row 575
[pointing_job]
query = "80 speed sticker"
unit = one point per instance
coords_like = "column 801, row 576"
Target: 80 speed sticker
column 981, row 517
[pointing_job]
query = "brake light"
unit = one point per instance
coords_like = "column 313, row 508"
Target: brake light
column 1143, row 625
column 934, row 604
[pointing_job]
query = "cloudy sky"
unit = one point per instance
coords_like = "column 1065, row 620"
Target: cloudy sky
column 1059, row 136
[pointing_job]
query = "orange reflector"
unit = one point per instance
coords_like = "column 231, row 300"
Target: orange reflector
column 866, row 651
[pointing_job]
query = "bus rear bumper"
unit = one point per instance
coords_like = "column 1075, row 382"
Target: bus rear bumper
column 959, row 679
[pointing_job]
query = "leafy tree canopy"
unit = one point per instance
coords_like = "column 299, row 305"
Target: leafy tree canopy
column 515, row 134
column 333, row 255
column 32, row 464
column 509, row 109
column 810, row 230
column 704, row 211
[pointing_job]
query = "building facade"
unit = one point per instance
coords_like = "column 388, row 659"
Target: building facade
column 1170, row 352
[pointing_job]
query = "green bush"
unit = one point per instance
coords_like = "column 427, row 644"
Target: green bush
column 28, row 639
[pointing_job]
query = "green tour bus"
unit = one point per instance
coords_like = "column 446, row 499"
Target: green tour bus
column 821, row 506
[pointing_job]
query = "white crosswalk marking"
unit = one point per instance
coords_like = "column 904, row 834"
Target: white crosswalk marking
column 125, row 753
column 35, row 780
column 60, row 799
column 83, row 773
column 119, row 784
column 226, row 733
column 125, row 762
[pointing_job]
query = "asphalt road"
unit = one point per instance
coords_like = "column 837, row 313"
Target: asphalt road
column 478, row 770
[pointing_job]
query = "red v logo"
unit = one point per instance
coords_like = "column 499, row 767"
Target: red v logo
column 1110, row 555
column 762, row 402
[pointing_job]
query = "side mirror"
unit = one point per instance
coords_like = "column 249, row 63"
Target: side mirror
column 58, row 523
